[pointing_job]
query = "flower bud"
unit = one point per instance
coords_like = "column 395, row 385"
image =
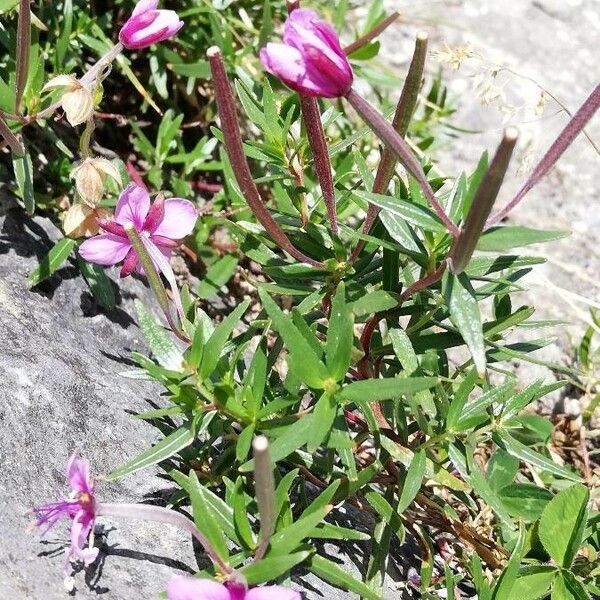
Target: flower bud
column 311, row 60
column 77, row 100
column 148, row 25
column 89, row 176
column 82, row 220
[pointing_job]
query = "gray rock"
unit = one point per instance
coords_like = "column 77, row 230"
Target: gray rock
column 59, row 366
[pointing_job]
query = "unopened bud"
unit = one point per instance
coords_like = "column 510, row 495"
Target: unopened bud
column 77, row 100
column 89, row 176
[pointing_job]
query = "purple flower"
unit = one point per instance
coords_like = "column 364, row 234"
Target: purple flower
column 80, row 507
column 148, row 25
column 161, row 226
column 189, row 588
column 311, row 60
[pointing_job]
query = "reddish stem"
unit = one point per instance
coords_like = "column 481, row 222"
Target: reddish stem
column 233, row 145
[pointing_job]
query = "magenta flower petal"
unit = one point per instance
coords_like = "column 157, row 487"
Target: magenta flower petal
column 272, row 592
column 81, row 527
column 105, row 249
column 78, row 474
column 188, row 588
column 179, row 219
column 133, row 206
column 144, row 6
column 287, row 63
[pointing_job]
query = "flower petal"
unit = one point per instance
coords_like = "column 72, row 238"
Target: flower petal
column 144, row 5
column 80, row 529
column 179, row 219
column 272, row 592
column 78, row 473
column 105, row 249
column 59, row 81
column 188, row 588
column 133, row 206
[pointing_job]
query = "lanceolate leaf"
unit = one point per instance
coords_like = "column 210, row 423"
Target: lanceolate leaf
column 52, row 261
column 505, row 585
column 216, row 342
column 303, row 358
column 169, row 446
column 464, row 313
column 340, row 335
column 23, row 168
column 522, row 452
column 272, row 567
column 336, row 575
column 499, row 239
column 373, row 390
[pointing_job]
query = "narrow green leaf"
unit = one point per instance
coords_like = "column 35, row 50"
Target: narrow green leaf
column 506, row 582
column 272, row 567
column 413, row 480
column 478, row 406
column 303, row 359
column 52, row 261
column 205, row 519
column 340, row 335
column 375, row 390
column 464, row 313
column 334, row 574
column 562, row 524
column 215, row 344
column 499, row 239
column 416, row 214
column 240, row 517
column 522, row 452
column 293, row 439
column 287, row 539
column 169, row 446
column 323, row 416
column 475, row 478
column 374, row 302
column 217, row 276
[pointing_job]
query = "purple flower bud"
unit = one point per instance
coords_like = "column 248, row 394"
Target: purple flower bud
column 311, row 60
column 148, row 25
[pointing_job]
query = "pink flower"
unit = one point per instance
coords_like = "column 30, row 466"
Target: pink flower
column 189, row 588
column 161, row 226
column 311, row 59
column 148, row 25
column 80, row 507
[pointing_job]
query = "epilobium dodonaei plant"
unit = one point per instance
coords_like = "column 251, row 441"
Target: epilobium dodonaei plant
column 367, row 364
